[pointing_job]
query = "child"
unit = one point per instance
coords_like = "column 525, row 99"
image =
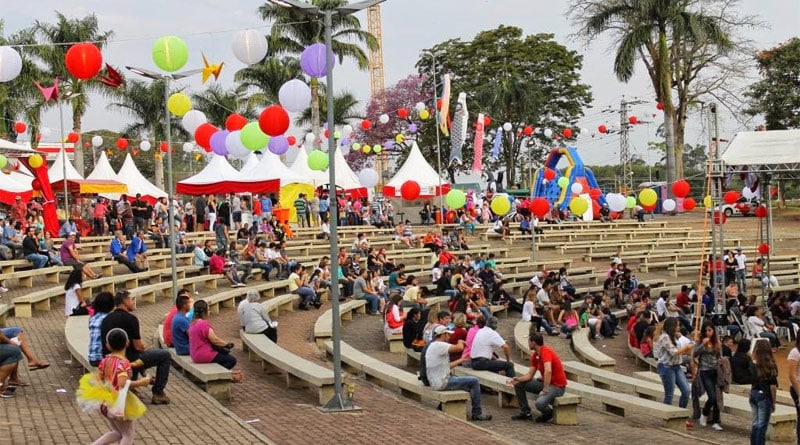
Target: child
column 647, row 342
column 101, row 389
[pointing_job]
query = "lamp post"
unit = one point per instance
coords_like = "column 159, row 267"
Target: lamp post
column 337, row 403
column 166, row 78
column 64, row 150
column 432, row 55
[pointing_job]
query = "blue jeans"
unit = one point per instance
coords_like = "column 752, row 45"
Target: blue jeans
column 307, row 294
column 762, row 409
column 39, row 261
column 543, row 403
column 467, row 383
column 741, row 280
column 372, row 300
column 670, row 376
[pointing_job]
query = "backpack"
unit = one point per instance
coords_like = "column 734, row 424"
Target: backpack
column 422, row 374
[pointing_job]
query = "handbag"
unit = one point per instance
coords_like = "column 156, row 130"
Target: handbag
column 80, row 310
column 117, row 410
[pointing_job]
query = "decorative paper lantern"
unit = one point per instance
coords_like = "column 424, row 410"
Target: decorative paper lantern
column 145, row 146
column 668, row 205
column 549, row 174
column 707, row 202
column 218, row 142
column 3, row 161
column 179, row 104
column 97, row 141
column 344, row 142
column 274, row 120
column 576, row 188
column 424, row 115
column 188, row 147
column 164, row 147
column 170, row 53
column 35, row 161
column 500, row 205
column 681, row 188
column 10, row 64
column 233, row 142
column 368, row 177
column 731, row 197
column 528, row 130
column 252, row 137
column 122, row 143
column 633, row 120
column 318, row 160
column 648, row 197
column 659, row 106
column 20, row 127
column 548, row 133
column 399, row 138
column 295, row 96
column 73, row 137
column 383, row 118
column 540, row 207
column 377, row 148
column 83, row 60
column 455, row 199
column 563, row 182
column 763, row 249
column 36, row 184
column 567, row 133
column 337, row 134
column 410, row 190
column 203, row 135
column 689, row 204
column 366, row 124
column 278, row 145
column 312, row 60
column 507, row 126
column 761, row 211
column 487, row 121
column 419, row 106
column 291, row 140
column 193, row 119
column 602, row 129
column 578, row 205
column 356, row 146
column 720, row 217
column 367, row 149
column 249, row 46
column 402, row 113
column 630, row 202
column 235, row 122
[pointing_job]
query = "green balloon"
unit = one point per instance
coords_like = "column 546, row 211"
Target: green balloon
column 355, row 146
column 563, row 182
column 170, row 53
column 3, row 161
column 252, row 137
column 318, row 160
column 455, row 199
column 377, row 148
column 630, row 202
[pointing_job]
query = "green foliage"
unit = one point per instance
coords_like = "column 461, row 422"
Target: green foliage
column 777, row 95
column 217, row 103
column 262, row 81
column 345, row 108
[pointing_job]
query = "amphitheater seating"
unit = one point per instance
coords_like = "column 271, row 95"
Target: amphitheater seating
column 213, row 378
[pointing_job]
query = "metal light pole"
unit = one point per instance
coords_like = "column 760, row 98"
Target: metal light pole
column 337, row 402
column 64, row 150
column 166, row 78
column 438, row 142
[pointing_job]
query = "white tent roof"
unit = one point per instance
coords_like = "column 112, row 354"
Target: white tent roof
column 15, row 182
column 10, row 147
column 131, row 176
column 218, row 170
column 103, row 170
column 56, row 171
column 345, row 177
column 271, row 167
column 416, row 168
column 765, row 151
column 252, row 161
column 300, row 167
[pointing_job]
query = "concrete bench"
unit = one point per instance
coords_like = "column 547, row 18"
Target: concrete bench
column 395, row 341
column 521, row 334
column 4, row 310
column 587, row 352
column 300, row 373
column 323, row 328
column 215, row 379
column 375, row 371
column 9, row 266
column 782, row 397
column 639, row 357
column 25, row 278
column 149, row 292
column 76, row 333
column 281, row 303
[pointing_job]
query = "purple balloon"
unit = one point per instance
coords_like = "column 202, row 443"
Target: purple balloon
column 278, row 145
column 389, row 144
column 345, row 142
column 218, row 142
column 413, row 128
column 312, row 60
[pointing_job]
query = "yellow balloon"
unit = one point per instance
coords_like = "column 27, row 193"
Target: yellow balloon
column 367, row 148
column 179, row 104
column 35, row 161
column 500, row 205
column 399, row 138
column 707, row 201
column 578, row 205
column 424, row 115
column 648, row 197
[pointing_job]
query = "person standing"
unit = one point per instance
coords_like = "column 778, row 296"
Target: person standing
column 707, row 353
column 200, row 204
column 794, row 378
column 741, row 270
column 553, row 381
column 670, row 358
column 99, row 217
column 324, row 207
column 300, row 209
column 188, row 212
column 762, row 391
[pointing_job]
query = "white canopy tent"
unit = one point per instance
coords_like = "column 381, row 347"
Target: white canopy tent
column 137, row 183
column 416, row 168
column 271, row 167
column 346, row 179
column 220, row 177
column 774, row 151
column 252, row 161
column 103, row 169
column 56, row 171
column 300, row 167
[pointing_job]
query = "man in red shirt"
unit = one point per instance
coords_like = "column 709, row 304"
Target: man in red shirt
column 99, row 217
column 553, row 382
column 166, row 332
column 446, row 257
column 19, row 210
column 682, row 300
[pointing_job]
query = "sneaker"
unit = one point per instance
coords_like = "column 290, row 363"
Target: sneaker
column 544, row 418
column 160, row 399
column 716, row 427
column 241, row 285
column 481, row 417
column 522, row 416
column 599, row 337
column 703, row 420
column 3, row 289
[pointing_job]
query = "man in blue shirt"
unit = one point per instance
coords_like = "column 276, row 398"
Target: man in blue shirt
column 136, row 247
column 10, row 240
column 266, row 207
column 324, row 206
column 180, row 325
column 118, row 252
column 68, row 227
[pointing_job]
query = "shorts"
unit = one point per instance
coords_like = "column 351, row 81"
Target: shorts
column 237, row 216
column 11, row 332
column 9, row 354
column 77, row 265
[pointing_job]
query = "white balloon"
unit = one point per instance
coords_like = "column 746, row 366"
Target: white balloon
column 616, row 202
column 45, row 132
column 10, row 64
column 295, row 96
column 97, row 141
column 668, row 205
column 384, row 118
column 347, row 130
column 233, row 142
column 507, row 126
column 548, row 133
column 368, row 177
column 145, row 145
column 576, row 188
column 310, row 138
column 193, row 119
column 419, row 106
column 249, row 46
column 747, row 193
column 188, row 147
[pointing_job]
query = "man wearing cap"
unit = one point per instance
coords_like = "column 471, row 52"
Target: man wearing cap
column 19, row 210
column 552, row 384
column 741, row 270
column 438, row 366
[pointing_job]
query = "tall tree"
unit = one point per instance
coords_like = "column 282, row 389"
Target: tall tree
column 56, row 39
column 522, row 80
column 345, row 109
column 217, row 103
column 292, row 32
column 261, row 82
column 777, row 95
column 675, row 39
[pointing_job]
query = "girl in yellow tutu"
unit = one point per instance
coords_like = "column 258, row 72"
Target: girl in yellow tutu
column 99, row 390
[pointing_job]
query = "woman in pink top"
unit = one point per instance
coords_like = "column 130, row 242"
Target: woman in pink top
column 204, row 345
column 470, row 338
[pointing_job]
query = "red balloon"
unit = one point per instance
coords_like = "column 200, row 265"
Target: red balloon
column 72, row 137
column 602, row 129
column 410, row 190
column 649, row 208
column 487, row 121
column 720, row 217
column 438, row 104
column 659, row 105
column 36, row 184
column 689, row 204
column 633, row 119
column 235, row 122
column 163, row 146
column 274, row 120
column 567, row 133
column 681, row 188
column 763, row 248
column 731, row 197
column 20, row 127
column 292, row 140
column 761, row 211
column 540, row 207
column 450, row 216
column 83, row 60
column 366, row 124
column 549, row 174
column 122, row 143
column 595, row 194
column 204, row 132
column 527, row 130
column 402, row 113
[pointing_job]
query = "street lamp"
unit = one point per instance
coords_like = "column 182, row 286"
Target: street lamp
column 67, row 96
column 166, row 78
column 337, row 403
column 432, row 55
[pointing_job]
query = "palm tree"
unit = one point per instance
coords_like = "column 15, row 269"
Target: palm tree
column 654, row 27
column 263, row 80
column 345, row 108
column 217, row 104
column 292, row 32
column 20, row 97
column 55, row 39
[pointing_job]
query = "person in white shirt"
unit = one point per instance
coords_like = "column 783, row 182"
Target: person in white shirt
column 741, row 270
column 483, row 346
column 661, row 305
column 254, row 319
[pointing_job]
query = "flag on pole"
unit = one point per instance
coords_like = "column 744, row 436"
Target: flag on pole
column 459, row 129
column 477, row 163
column 498, row 138
column 444, row 112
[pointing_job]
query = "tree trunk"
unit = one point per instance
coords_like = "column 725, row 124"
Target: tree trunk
column 315, row 124
column 159, row 169
column 665, row 80
column 77, row 155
